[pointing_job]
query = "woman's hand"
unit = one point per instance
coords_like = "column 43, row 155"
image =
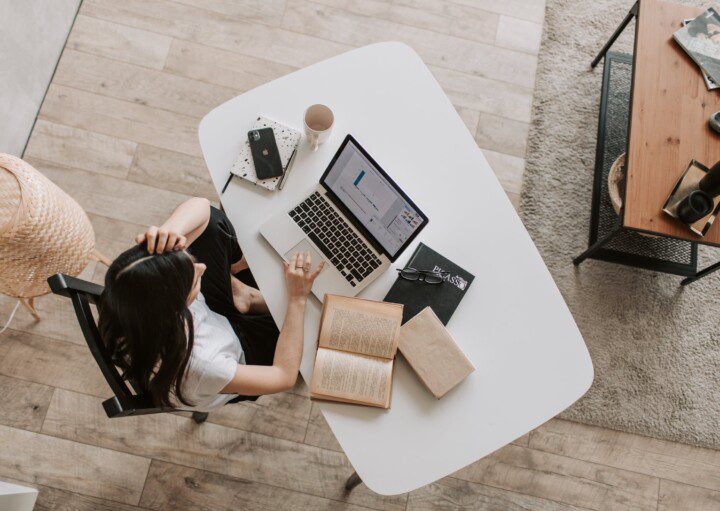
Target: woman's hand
column 161, row 239
column 298, row 277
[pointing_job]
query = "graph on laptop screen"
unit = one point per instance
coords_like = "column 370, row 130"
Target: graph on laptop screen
column 374, row 201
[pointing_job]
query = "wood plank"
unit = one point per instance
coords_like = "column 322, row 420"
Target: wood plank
column 222, row 67
column 563, row 479
column 119, row 42
column 79, row 148
column 54, row 499
column 683, row 496
column 23, row 404
column 110, row 197
column 113, row 236
column 517, row 34
column 215, row 29
column 531, row 10
column 269, row 12
column 137, row 84
column 508, row 169
column 523, row 441
column 486, row 95
column 651, row 456
column 436, row 49
column 211, row 447
column 49, row 362
column 282, row 415
column 670, row 109
column 514, row 200
column 121, row 119
column 442, row 17
column 72, row 466
column 319, row 433
column 470, row 118
column 451, row 494
column 172, row 486
column 502, row 135
column 57, row 319
column 170, row 170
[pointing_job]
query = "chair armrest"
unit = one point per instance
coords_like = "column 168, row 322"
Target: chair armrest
column 64, row 285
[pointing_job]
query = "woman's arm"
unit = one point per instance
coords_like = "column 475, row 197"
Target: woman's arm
column 255, row 380
column 184, row 225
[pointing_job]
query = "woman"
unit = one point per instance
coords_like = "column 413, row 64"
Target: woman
column 185, row 329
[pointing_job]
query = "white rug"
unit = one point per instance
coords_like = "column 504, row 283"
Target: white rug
column 655, row 345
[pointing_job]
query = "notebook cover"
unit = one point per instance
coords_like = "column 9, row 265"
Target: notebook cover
column 443, row 298
column 433, row 354
column 287, row 140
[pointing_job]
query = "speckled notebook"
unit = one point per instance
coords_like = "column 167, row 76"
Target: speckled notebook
column 287, row 140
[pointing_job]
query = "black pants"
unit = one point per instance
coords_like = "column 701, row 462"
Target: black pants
column 217, row 248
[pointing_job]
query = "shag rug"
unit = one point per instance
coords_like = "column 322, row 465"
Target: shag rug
column 655, row 346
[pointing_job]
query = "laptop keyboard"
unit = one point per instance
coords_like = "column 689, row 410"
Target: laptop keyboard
column 334, row 237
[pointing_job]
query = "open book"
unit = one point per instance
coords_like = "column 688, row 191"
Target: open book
column 357, row 343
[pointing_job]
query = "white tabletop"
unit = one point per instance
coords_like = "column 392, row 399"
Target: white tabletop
column 513, row 324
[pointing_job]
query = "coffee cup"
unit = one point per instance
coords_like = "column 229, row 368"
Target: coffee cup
column 695, row 206
column 318, row 120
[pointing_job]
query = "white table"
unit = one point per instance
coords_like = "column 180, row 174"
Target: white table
column 513, row 324
column 17, row 498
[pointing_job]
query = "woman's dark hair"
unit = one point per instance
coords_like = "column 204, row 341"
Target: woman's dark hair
column 145, row 322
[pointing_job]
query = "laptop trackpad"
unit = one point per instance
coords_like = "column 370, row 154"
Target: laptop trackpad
column 304, row 246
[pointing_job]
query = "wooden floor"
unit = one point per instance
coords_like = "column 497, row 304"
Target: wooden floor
column 118, row 131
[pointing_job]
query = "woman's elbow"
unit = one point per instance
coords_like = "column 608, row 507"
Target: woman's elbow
column 201, row 201
column 289, row 382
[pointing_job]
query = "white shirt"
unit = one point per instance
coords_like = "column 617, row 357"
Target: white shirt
column 215, row 356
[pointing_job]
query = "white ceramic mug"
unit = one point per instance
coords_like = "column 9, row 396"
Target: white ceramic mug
column 319, row 121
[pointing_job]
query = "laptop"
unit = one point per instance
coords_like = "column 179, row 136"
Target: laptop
column 357, row 220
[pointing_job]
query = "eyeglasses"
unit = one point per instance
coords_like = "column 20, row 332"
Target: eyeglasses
column 426, row 276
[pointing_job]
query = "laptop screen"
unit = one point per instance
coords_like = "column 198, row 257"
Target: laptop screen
column 373, row 198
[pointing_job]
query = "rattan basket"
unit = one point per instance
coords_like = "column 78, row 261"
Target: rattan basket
column 43, row 231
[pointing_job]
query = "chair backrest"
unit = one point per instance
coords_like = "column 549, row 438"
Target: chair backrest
column 127, row 399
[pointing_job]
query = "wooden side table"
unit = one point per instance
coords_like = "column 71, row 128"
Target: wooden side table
column 669, row 109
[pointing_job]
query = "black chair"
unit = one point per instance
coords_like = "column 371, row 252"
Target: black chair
column 127, row 400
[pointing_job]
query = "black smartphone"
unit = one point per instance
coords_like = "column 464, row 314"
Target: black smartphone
column 265, row 153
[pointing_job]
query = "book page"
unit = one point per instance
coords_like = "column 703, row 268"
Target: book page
column 352, row 377
column 360, row 326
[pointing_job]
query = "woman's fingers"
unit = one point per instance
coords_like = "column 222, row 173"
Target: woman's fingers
column 162, row 239
column 308, row 262
column 293, row 262
column 151, row 236
column 300, row 262
column 181, row 242
column 317, row 271
column 171, row 240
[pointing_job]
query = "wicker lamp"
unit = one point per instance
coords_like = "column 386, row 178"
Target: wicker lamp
column 43, row 231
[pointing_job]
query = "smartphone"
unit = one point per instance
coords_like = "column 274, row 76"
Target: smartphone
column 265, row 153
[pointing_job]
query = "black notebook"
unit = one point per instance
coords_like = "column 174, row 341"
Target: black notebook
column 443, row 298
